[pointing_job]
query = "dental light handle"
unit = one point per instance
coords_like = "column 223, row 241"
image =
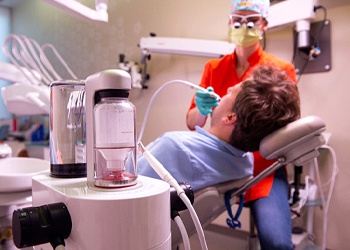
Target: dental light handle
column 167, row 177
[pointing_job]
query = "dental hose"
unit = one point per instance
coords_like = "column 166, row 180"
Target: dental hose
column 182, row 228
column 166, row 176
column 60, row 247
column 190, row 84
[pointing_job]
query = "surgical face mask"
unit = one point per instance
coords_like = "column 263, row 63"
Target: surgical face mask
column 244, row 36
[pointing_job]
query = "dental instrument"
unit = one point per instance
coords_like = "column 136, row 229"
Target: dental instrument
column 197, row 87
column 190, row 84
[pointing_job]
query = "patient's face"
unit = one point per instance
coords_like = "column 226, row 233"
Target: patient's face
column 227, row 101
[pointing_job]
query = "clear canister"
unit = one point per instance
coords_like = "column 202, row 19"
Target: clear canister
column 67, row 129
column 115, row 140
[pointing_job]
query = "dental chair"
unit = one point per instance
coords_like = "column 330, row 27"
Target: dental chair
column 296, row 143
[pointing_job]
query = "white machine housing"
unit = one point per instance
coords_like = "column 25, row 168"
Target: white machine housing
column 136, row 217
column 291, row 12
column 294, row 12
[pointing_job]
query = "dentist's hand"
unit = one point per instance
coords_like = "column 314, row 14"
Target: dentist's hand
column 205, row 101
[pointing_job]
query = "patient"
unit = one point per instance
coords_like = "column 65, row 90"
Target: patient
column 249, row 111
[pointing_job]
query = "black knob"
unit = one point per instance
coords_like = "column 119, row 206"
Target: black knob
column 38, row 225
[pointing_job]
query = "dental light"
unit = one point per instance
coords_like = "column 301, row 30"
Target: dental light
column 79, row 10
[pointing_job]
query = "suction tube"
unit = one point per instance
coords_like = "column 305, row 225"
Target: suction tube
column 191, row 85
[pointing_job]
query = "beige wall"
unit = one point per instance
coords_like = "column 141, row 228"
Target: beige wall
column 326, row 95
column 91, row 47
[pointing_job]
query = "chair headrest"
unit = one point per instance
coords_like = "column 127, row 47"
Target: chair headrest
column 297, row 141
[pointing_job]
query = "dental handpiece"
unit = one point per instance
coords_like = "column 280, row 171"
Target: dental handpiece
column 191, row 85
column 197, row 87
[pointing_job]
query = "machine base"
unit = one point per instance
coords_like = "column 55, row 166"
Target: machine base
column 136, row 217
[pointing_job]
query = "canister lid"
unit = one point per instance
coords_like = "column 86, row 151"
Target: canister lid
column 72, row 82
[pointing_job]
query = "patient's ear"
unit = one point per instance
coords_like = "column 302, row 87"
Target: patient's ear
column 230, row 118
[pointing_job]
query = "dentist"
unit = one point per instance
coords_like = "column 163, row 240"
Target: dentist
column 268, row 200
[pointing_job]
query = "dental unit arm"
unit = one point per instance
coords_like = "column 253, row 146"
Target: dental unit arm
column 79, row 10
column 294, row 12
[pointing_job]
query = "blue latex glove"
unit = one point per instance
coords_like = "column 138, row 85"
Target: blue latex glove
column 205, row 101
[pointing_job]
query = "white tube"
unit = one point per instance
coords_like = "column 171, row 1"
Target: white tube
column 60, row 247
column 182, row 228
column 310, row 210
column 191, row 85
column 195, row 219
column 166, row 176
column 330, row 192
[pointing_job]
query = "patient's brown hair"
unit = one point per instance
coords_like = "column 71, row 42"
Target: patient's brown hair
column 268, row 101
